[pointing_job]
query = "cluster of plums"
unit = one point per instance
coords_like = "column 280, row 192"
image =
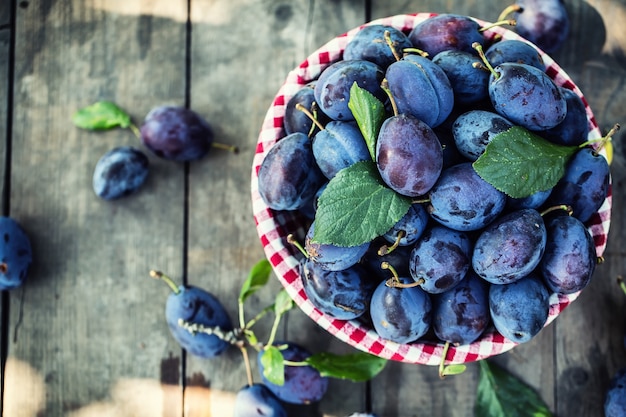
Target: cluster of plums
column 466, row 256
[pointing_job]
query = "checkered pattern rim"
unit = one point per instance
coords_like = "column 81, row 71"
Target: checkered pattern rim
column 273, row 227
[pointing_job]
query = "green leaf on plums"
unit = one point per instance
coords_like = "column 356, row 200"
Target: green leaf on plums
column 455, row 369
column 283, row 303
column 357, row 207
column 273, row 365
column 500, row 394
column 369, row 113
column 101, row 115
column 257, row 278
column 357, row 367
column 520, row 163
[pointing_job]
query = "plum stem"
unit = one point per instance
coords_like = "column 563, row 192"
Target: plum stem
column 479, row 48
column 510, row 9
column 415, row 51
column 385, row 86
column 133, row 128
column 169, row 281
column 259, row 316
column 292, row 239
column 446, row 346
column 310, row 116
column 389, row 42
column 565, row 207
column 246, row 361
column 394, row 282
column 231, row 148
column 384, row 250
column 621, row 283
column 603, row 140
column 500, row 22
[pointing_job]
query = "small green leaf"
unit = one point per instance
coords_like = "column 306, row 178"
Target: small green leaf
column 500, row 394
column 283, row 303
column 357, row 207
column 453, row 369
column 273, row 365
column 101, row 115
column 251, row 337
column 369, row 113
column 258, row 277
column 357, row 367
column 520, row 163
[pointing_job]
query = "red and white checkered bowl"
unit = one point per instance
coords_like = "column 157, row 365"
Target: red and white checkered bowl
column 273, row 227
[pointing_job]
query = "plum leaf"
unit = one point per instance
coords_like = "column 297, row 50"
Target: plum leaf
column 357, row 207
column 357, row 367
column 369, row 113
column 500, row 394
column 101, row 115
column 273, row 365
column 259, row 276
column 520, row 163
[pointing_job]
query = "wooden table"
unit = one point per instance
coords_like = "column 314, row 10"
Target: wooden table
column 86, row 336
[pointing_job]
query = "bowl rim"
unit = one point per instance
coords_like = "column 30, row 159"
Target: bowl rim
column 272, row 225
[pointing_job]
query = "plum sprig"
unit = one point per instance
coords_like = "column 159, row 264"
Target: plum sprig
column 357, row 367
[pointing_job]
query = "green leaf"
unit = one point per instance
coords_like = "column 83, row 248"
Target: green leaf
column 369, row 113
column 357, row 207
column 520, row 163
column 500, row 394
column 283, row 303
column 101, row 115
column 273, row 365
column 357, row 367
column 258, row 277
column 456, row 369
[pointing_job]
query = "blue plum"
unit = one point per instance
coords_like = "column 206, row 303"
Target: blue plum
column 412, row 225
column 401, row 315
column 514, row 50
column 408, row 155
column 289, row 176
column 463, row 201
column 344, row 295
column 474, row 129
column 534, row 201
column 176, row 133
column 570, row 256
column 574, row 129
column 331, row 257
column 332, row 90
column 398, row 258
column 469, row 83
column 16, row 255
column 120, row 172
column 420, row 88
column 615, row 400
column 257, row 400
column 526, row 96
column 461, row 313
column 197, row 306
column 441, row 258
column 296, row 120
column 511, row 247
column 585, row 184
column 446, row 32
column 338, row 146
column 545, row 23
column 369, row 44
column 303, row 384
column 519, row 310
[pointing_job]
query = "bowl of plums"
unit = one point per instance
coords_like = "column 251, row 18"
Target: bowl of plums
column 431, row 188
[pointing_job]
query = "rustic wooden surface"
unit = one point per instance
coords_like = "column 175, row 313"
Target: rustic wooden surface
column 86, row 337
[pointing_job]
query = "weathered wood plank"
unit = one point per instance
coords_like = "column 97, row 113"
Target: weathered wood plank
column 88, row 328
column 5, row 37
column 5, row 13
column 241, row 54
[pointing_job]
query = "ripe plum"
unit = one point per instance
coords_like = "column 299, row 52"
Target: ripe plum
column 120, row 172
column 369, row 44
column 289, row 176
column 513, row 50
column 545, row 23
column 570, row 257
column 474, row 129
column 257, row 400
column 463, row 201
column 303, row 384
column 402, row 315
column 412, row 225
column 332, row 257
column 615, row 401
column 446, row 32
column 337, row 146
column 511, row 247
column 409, row 155
column 519, row 310
column 441, row 258
column 574, row 129
column 16, row 254
column 469, row 84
